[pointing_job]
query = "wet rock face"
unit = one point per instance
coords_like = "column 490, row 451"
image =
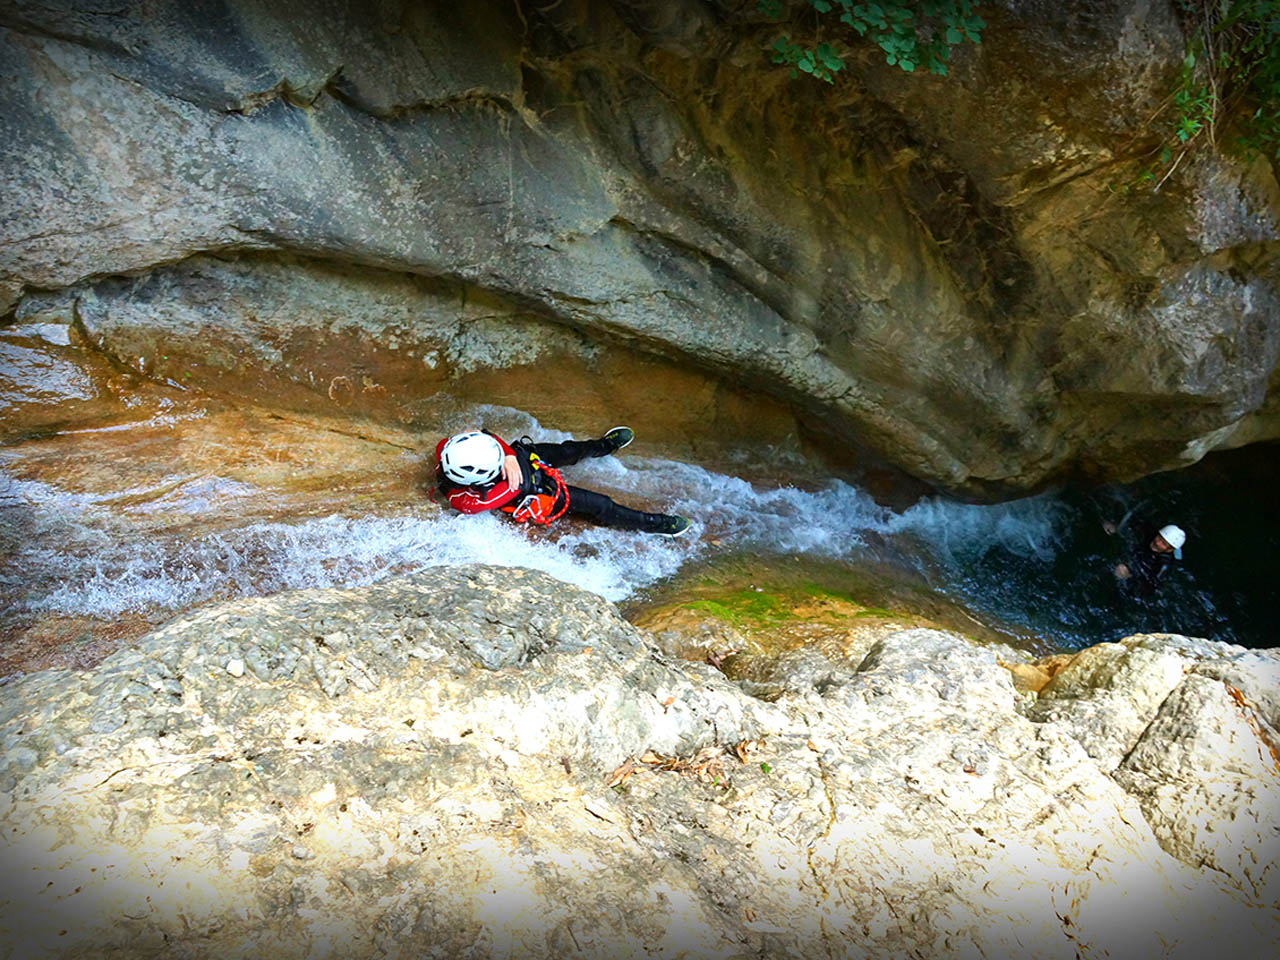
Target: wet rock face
column 487, row 760
column 369, row 351
column 935, row 269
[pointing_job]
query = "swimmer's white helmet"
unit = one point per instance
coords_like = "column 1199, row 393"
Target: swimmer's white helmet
column 1175, row 536
column 471, row 458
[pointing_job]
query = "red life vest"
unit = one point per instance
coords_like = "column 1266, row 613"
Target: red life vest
column 540, row 508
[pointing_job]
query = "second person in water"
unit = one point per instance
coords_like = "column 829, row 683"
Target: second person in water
column 478, row 471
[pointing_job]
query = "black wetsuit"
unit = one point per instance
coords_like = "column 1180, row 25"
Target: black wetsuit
column 582, row 502
column 1147, row 568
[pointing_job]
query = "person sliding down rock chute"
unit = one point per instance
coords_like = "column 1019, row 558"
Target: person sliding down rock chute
column 478, row 471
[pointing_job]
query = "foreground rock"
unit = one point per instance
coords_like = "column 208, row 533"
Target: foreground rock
column 421, row 768
column 326, row 204
column 1191, row 732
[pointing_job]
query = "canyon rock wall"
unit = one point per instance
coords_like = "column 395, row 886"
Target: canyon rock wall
column 945, row 271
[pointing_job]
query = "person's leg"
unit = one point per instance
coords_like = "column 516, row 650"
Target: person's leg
column 602, row 510
column 568, row 452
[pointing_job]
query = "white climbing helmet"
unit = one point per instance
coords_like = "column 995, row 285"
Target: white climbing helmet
column 1175, row 536
column 471, row 457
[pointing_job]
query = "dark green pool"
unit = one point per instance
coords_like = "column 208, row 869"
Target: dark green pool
column 1226, row 587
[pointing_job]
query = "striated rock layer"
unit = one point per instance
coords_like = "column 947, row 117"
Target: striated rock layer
column 484, row 761
column 300, row 200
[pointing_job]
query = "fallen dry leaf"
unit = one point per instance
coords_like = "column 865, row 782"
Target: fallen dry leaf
column 706, row 765
column 1252, row 721
column 620, row 775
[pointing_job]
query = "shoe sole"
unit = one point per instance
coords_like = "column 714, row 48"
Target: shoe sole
column 679, row 533
column 621, row 445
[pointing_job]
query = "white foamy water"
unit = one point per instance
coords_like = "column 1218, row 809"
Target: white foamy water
column 1030, row 528
column 90, row 554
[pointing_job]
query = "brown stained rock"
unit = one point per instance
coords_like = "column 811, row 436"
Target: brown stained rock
column 66, row 643
column 680, row 410
column 311, row 337
column 322, row 461
column 1035, row 676
column 49, row 382
column 1027, row 677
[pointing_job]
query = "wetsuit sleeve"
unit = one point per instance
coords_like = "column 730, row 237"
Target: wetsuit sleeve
column 478, row 499
column 1149, row 570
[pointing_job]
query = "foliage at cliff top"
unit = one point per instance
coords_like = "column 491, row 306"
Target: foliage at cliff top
column 916, row 34
column 1227, row 93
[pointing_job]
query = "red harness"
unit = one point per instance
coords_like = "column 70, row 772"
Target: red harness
column 540, row 508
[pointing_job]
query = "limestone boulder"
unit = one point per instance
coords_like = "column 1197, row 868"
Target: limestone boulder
column 484, row 760
column 1109, row 693
column 1188, row 727
column 1208, row 780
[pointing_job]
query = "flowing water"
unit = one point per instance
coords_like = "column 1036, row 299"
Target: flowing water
column 182, row 500
column 1225, row 588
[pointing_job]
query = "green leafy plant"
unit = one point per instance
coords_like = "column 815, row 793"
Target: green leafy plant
column 1229, row 81
column 1254, row 81
column 911, row 35
column 1194, row 108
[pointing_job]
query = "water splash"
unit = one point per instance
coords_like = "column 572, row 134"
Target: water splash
column 959, row 532
column 102, row 555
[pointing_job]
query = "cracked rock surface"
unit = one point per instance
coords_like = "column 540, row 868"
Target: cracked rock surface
column 421, row 768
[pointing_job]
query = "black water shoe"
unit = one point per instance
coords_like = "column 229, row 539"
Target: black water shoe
column 619, row 437
column 667, row 524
